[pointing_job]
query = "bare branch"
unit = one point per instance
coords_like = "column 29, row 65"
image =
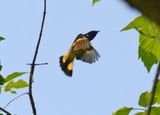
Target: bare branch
column 5, row 111
column 153, row 90
column 34, row 60
column 37, row 64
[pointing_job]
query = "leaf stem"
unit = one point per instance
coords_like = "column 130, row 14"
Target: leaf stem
column 15, row 99
column 33, row 62
column 5, row 111
column 153, row 89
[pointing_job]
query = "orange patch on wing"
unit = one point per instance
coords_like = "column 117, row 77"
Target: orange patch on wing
column 70, row 66
column 79, row 39
column 65, row 57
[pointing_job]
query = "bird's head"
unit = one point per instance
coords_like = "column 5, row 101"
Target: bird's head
column 90, row 35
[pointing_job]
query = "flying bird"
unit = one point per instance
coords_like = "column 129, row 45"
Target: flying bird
column 81, row 49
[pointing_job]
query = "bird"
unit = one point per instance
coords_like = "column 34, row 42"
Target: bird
column 81, row 49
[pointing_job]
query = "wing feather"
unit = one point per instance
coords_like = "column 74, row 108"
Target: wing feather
column 89, row 56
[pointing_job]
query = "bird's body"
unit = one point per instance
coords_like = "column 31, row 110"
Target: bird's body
column 81, row 49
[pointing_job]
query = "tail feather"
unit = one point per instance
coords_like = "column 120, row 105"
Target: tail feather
column 67, row 66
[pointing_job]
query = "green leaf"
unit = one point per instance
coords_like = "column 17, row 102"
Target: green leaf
column 149, row 8
column 17, row 85
column 141, row 24
column 1, row 38
column 95, row 1
column 149, row 43
column 147, row 58
column 144, row 99
column 140, row 113
column 20, row 84
column 0, row 67
column 13, row 92
column 1, row 80
column 158, row 88
column 123, row 111
column 157, row 94
column 9, row 86
column 158, row 99
column 13, row 76
column 155, row 111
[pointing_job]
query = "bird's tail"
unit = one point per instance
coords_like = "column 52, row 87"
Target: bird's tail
column 66, row 65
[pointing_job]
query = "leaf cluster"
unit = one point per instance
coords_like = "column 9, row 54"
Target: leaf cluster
column 143, row 102
column 149, row 40
column 149, row 53
column 9, row 84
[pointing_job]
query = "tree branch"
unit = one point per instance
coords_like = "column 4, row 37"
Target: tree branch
column 34, row 60
column 5, row 111
column 153, row 90
column 38, row 64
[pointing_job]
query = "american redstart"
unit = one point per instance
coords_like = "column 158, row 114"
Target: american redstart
column 81, row 49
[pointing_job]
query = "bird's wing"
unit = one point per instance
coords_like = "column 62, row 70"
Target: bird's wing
column 82, row 43
column 89, row 56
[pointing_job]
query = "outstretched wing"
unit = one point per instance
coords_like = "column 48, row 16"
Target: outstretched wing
column 89, row 56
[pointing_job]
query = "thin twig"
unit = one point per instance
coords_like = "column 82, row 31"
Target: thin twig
column 37, row 64
column 5, row 111
column 15, row 99
column 33, row 62
column 153, row 90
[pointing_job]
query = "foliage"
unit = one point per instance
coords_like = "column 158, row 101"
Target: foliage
column 1, row 38
column 9, row 85
column 143, row 103
column 95, row 1
column 123, row 111
column 149, row 40
column 149, row 53
column 149, row 8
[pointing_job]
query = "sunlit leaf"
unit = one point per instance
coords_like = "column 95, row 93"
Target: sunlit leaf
column 1, row 80
column 140, row 113
column 13, row 76
column 141, row 25
column 157, row 94
column 147, row 58
column 155, row 111
column 144, row 99
column 158, row 99
column 123, row 111
column 158, row 88
column 95, row 1
column 149, row 43
column 16, row 85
